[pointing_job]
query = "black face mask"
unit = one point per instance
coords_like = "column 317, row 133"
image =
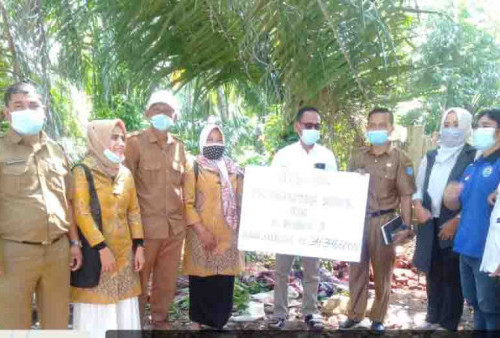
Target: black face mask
column 213, row 152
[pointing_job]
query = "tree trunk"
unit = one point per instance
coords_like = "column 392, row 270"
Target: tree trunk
column 223, row 105
column 53, row 124
column 10, row 39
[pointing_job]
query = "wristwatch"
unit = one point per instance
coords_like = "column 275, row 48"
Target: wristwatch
column 75, row 242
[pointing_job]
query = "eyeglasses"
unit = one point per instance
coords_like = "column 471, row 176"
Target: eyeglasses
column 311, row 125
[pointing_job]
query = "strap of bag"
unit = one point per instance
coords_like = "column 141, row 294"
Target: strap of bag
column 196, row 169
column 95, row 207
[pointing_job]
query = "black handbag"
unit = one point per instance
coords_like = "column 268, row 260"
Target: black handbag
column 89, row 273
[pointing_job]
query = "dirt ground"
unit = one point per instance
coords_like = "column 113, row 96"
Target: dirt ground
column 407, row 306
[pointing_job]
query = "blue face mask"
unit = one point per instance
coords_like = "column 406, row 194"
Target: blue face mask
column 162, row 122
column 484, row 138
column 452, row 137
column 377, row 137
column 310, row 136
column 112, row 156
column 28, row 122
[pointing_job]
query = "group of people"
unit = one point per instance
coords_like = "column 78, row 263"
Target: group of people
column 152, row 199
column 138, row 200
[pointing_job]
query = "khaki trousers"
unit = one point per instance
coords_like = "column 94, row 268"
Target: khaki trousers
column 311, row 281
column 39, row 269
column 162, row 261
column 382, row 258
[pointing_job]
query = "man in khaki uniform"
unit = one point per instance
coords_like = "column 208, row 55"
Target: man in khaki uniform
column 157, row 161
column 35, row 218
column 391, row 186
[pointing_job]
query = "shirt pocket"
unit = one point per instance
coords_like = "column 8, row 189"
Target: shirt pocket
column 150, row 172
column 56, row 173
column 14, row 178
column 387, row 181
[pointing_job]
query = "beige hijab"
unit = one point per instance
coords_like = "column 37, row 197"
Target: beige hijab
column 99, row 137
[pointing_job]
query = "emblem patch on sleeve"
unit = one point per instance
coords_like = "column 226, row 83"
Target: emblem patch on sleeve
column 409, row 171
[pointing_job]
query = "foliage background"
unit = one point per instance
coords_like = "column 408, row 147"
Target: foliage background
column 251, row 63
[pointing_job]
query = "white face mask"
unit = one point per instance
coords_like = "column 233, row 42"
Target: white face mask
column 310, row 136
column 28, row 121
column 113, row 157
column 162, row 122
column 452, row 137
column 484, row 138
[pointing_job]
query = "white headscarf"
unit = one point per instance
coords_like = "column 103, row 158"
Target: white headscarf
column 465, row 124
column 205, row 132
column 223, row 166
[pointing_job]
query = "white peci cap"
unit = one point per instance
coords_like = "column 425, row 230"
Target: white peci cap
column 163, row 96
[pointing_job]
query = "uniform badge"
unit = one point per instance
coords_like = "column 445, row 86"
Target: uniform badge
column 467, row 177
column 487, row 171
column 409, row 171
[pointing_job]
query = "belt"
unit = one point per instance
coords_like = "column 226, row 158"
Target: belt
column 44, row 242
column 380, row 212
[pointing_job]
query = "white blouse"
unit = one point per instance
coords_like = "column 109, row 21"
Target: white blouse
column 437, row 181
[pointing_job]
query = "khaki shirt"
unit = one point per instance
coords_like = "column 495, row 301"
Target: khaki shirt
column 391, row 176
column 35, row 187
column 158, row 171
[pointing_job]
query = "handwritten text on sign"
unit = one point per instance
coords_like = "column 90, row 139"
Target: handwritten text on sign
column 313, row 213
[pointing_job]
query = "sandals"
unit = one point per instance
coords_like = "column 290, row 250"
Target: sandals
column 314, row 322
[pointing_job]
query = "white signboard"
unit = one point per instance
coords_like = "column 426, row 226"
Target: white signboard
column 312, row 213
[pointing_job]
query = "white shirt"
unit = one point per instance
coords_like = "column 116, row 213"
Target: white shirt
column 437, row 181
column 491, row 255
column 295, row 156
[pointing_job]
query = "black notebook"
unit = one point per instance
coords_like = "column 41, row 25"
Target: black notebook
column 391, row 228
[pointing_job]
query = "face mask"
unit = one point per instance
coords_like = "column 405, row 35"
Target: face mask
column 309, row 136
column 113, row 157
column 214, row 151
column 162, row 122
column 484, row 138
column 377, row 137
column 28, row 122
column 452, row 137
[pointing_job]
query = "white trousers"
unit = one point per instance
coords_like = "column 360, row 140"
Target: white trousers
column 96, row 319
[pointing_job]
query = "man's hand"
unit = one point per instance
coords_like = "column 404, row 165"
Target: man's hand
column 403, row 236
column 139, row 258
column 451, row 197
column 108, row 262
column 76, row 257
column 422, row 214
column 448, row 229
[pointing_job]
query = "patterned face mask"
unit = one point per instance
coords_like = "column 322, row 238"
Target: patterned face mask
column 213, row 151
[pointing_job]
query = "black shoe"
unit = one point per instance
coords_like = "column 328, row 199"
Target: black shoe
column 378, row 328
column 314, row 322
column 276, row 323
column 349, row 323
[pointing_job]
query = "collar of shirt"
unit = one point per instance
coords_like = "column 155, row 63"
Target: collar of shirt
column 369, row 150
column 14, row 137
column 153, row 138
column 492, row 157
column 300, row 148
